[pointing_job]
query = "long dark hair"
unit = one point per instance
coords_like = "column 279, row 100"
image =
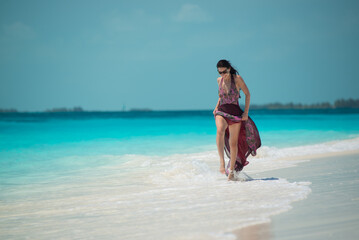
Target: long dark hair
column 225, row 63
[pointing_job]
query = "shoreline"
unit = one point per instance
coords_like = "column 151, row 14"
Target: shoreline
column 324, row 171
column 321, row 155
column 102, row 190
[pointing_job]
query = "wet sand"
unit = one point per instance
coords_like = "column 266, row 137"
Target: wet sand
column 331, row 211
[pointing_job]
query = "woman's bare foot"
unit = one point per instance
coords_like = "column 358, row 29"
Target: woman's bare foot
column 231, row 175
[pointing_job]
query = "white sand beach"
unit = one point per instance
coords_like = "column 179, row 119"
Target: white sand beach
column 331, row 210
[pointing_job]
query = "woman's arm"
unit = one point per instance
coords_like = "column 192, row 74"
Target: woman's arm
column 243, row 86
column 216, row 108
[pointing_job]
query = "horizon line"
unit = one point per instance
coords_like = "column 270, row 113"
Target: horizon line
column 339, row 103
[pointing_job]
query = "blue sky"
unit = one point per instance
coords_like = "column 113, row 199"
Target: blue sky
column 101, row 55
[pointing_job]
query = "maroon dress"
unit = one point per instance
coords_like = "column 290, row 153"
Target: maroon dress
column 248, row 140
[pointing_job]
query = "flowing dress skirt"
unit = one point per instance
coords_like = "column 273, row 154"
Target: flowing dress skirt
column 248, row 140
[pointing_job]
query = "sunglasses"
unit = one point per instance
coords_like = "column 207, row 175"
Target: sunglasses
column 224, row 72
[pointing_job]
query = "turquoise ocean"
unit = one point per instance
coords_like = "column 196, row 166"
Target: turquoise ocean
column 151, row 175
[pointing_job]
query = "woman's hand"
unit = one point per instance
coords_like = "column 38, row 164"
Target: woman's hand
column 214, row 111
column 244, row 116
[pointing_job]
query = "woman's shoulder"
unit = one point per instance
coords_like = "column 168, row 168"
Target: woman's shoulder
column 219, row 80
column 238, row 81
column 238, row 78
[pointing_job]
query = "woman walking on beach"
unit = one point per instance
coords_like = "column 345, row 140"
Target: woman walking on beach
column 236, row 132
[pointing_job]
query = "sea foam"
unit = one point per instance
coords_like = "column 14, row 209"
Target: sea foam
column 178, row 196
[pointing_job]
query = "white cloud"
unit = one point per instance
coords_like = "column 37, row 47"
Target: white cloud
column 119, row 24
column 191, row 13
column 133, row 21
column 18, row 30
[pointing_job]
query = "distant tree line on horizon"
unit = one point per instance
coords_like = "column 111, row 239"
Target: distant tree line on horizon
column 63, row 109
column 340, row 103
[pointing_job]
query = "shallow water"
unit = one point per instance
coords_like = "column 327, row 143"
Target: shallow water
column 138, row 177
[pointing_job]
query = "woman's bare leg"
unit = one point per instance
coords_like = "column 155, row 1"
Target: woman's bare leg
column 221, row 124
column 233, row 144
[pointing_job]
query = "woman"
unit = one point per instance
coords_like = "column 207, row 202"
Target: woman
column 236, row 132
